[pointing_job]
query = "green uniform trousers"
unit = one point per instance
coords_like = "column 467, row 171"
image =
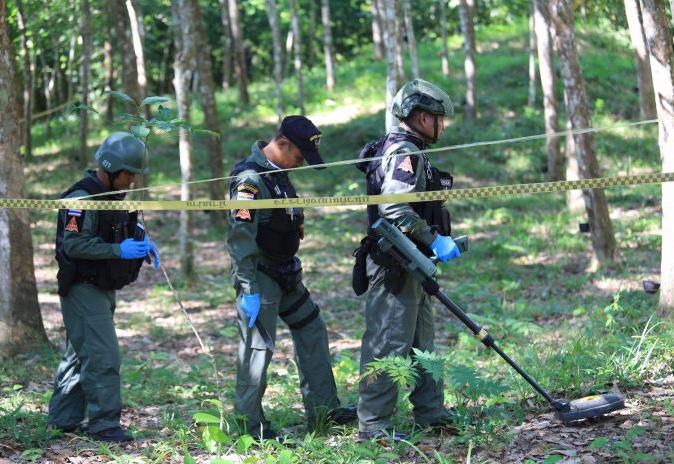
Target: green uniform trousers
column 312, row 354
column 87, row 380
column 394, row 325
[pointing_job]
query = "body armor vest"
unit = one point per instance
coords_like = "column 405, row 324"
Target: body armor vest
column 113, row 227
column 279, row 238
column 431, row 211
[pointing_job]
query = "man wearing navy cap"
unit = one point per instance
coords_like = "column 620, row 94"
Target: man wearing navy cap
column 268, row 280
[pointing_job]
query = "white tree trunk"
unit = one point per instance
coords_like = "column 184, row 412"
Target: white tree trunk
column 390, row 32
column 21, row 326
column 377, row 39
column 467, row 12
column 644, row 78
column 659, row 42
column 136, row 24
column 398, row 27
column 84, row 79
column 442, row 12
column 226, row 44
column 184, row 62
column 547, row 73
column 531, row 97
column 411, row 39
column 27, row 82
column 327, row 45
column 272, row 16
column 575, row 99
column 297, row 48
column 240, row 67
column 109, row 79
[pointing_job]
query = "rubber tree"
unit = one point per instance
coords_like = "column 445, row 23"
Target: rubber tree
column 21, row 327
column 124, row 46
column 272, row 16
column 137, row 36
column 444, row 54
column 85, row 75
column 575, row 100
column 547, row 73
column 27, row 122
column 644, row 78
column 392, row 77
column 240, row 68
column 531, row 96
column 377, row 37
column 467, row 15
column 297, row 52
column 327, row 45
column 411, row 39
column 182, row 66
column 659, row 43
column 226, row 44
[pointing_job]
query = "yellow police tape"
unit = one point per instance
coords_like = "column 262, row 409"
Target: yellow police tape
column 321, row 202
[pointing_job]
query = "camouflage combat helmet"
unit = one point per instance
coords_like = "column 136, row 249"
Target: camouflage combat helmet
column 121, row 151
column 423, row 95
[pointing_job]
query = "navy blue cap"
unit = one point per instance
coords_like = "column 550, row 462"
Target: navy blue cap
column 305, row 135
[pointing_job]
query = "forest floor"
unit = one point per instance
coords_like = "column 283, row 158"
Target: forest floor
column 528, row 277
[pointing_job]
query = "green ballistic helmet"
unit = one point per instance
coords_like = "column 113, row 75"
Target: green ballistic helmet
column 423, row 95
column 121, row 151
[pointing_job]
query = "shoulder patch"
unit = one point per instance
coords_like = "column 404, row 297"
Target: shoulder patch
column 404, row 170
column 243, row 215
column 72, row 225
column 245, row 187
column 75, row 212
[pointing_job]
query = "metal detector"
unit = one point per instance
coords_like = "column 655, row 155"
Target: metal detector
column 422, row 268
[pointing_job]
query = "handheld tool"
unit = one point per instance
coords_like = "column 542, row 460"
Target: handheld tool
column 422, row 268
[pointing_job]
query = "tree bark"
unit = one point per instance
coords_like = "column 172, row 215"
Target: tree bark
column 226, row 44
column 272, row 16
column 184, row 62
column 70, row 67
column 659, row 42
column 379, row 49
column 84, row 80
column 442, row 13
column 297, row 49
column 136, row 28
column 392, row 78
column 575, row 99
column 124, row 46
column 21, row 328
column 27, row 124
column 240, row 67
column 411, row 39
column 531, row 97
column 109, row 79
column 644, row 79
column 399, row 39
column 311, row 43
column 327, row 45
column 467, row 11
column 547, row 73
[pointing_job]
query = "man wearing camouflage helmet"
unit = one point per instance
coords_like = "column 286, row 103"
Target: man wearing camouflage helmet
column 399, row 314
column 98, row 252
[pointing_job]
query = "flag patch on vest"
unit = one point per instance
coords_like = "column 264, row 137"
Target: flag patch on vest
column 404, row 169
column 72, row 225
column 244, row 195
column 75, row 212
column 244, row 215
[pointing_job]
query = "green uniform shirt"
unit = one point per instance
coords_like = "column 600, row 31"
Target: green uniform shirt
column 243, row 247
column 85, row 243
column 403, row 175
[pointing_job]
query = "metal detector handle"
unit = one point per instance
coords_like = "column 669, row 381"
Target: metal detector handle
column 462, row 243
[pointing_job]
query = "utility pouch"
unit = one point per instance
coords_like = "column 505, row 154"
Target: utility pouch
column 393, row 272
column 288, row 274
column 66, row 275
column 359, row 280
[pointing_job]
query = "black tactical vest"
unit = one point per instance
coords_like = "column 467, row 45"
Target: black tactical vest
column 280, row 237
column 113, row 227
column 431, row 211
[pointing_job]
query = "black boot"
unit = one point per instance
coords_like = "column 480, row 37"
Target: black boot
column 115, row 434
column 343, row 416
column 387, row 437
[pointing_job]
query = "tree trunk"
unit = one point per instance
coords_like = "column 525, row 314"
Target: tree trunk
column 390, row 33
column 644, row 78
column 297, row 46
column 400, row 38
column 311, row 43
column 226, row 44
column 288, row 51
column 27, row 82
column 659, row 43
column 84, row 80
column 48, row 81
column 125, row 49
column 136, row 23
column 411, row 39
column 69, row 68
column 575, row 99
column 272, row 16
column 327, row 45
column 184, row 62
column 442, row 13
column 21, row 328
column 379, row 49
column 202, row 52
column 531, row 98
column 467, row 10
column 109, row 79
column 240, row 67
column 547, row 73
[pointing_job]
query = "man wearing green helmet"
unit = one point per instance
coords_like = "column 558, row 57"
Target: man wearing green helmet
column 98, row 252
column 399, row 314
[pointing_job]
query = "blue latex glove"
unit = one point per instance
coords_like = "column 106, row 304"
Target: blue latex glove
column 250, row 304
column 444, row 248
column 134, row 249
column 154, row 252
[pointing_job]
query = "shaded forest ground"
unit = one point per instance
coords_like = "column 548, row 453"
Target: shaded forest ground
column 526, row 277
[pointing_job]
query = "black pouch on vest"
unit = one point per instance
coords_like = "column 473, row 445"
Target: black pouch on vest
column 288, row 274
column 359, row 280
column 65, row 275
column 393, row 272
